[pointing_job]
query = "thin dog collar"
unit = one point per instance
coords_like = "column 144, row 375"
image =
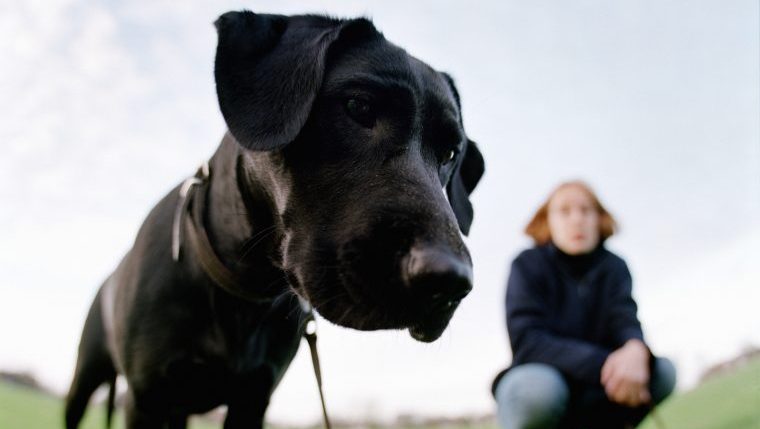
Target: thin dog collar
column 188, row 220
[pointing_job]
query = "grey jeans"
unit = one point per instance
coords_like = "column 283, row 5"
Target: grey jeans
column 537, row 396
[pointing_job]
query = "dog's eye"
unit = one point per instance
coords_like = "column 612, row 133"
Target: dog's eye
column 362, row 111
column 449, row 156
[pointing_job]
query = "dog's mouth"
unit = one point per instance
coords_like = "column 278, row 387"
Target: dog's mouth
column 432, row 327
column 427, row 334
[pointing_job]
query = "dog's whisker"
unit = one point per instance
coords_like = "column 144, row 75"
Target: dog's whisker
column 326, row 301
column 253, row 246
column 257, row 234
column 276, row 282
column 257, row 238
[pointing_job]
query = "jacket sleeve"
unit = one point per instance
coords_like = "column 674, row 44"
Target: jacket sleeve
column 533, row 341
column 622, row 321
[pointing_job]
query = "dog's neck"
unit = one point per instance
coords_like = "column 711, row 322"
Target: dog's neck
column 238, row 214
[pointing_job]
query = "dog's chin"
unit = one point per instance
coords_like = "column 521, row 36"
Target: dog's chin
column 424, row 334
column 429, row 330
column 362, row 319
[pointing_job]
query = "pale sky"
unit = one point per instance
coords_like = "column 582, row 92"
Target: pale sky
column 107, row 105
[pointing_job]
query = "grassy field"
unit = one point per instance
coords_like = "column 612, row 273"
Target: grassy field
column 728, row 402
column 23, row 408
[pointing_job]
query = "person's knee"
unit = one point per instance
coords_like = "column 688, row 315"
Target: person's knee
column 532, row 396
column 663, row 380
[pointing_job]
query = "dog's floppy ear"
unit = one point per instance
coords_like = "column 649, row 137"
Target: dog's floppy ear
column 268, row 70
column 465, row 177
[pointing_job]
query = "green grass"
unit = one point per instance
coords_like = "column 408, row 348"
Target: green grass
column 731, row 401
column 24, row 408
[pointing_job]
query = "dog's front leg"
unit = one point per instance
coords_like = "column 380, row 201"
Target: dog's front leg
column 240, row 416
column 247, row 406
column 177, row 422
column 137, row 418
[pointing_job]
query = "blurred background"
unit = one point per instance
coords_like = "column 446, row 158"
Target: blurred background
column 107, row 105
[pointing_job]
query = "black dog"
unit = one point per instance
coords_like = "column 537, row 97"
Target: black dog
column 329, row 190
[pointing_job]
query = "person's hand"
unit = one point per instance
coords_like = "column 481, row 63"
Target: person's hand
column 625, row 374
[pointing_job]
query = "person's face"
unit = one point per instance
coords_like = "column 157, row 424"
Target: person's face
column 573, row 221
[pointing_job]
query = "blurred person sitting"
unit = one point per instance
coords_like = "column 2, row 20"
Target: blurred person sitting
column 579, row 355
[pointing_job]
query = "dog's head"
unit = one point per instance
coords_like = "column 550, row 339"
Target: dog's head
column 362, row 150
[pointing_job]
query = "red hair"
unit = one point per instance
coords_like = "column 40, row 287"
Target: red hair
column 538, row 227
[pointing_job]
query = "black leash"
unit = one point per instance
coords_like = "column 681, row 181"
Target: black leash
column 310, row 333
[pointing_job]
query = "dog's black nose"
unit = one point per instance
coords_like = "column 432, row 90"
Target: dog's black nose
column 437, row 276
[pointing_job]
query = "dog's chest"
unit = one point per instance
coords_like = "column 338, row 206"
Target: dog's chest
column 222, row 371
column 247, row 347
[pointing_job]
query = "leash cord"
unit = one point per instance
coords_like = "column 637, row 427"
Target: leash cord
column 311, row 338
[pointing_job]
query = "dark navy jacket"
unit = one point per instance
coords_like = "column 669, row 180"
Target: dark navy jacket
column 570, row 312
